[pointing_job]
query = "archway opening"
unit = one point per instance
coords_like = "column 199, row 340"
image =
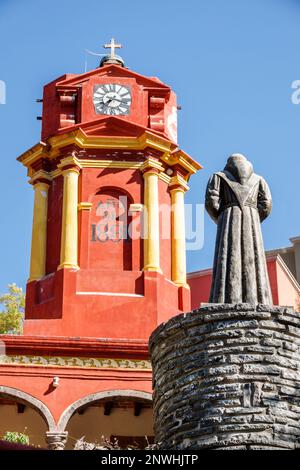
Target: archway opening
column 124, row 420
column 18, row 416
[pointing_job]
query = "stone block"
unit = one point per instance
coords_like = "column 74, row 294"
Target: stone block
column 228, row 377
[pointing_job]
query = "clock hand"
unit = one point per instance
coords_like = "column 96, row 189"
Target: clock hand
column 115, row 99
column 112, row 99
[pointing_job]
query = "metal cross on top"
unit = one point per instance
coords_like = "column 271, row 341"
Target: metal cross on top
column 112, row 46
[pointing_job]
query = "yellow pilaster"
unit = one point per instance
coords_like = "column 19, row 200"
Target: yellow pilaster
column 151, row 169
column 177, row 190
column 69, row 233
column 39, row 230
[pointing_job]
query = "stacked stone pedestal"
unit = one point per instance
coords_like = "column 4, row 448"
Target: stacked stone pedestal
column 228, row 377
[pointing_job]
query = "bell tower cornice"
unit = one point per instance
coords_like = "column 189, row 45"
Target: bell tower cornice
column 169, row 154
column 73, row 82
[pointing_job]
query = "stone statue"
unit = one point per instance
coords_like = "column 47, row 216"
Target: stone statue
column 238, row 200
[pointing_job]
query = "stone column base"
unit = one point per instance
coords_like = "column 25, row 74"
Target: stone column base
column 227, row 376
column 56, row 440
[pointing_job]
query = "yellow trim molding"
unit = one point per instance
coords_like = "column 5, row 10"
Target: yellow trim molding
column 151, row 222
column 39, row 231
column 69, row 234
column 152, row 163
column 40, row 175
column 95, row 164
column 85, row 206
column 82, row 140
column 110, row 163
column 178, row 236
column 70, row 160
column 164, row 177
column 178, row 180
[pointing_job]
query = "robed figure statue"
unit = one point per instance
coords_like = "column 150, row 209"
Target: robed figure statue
column 238, row 200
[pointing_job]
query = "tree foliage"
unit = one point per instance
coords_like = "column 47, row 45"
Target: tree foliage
column 12, row 311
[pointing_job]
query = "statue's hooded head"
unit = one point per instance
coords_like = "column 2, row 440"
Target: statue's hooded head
column 239, row 167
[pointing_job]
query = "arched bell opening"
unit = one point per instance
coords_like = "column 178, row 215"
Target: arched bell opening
column 110, row 219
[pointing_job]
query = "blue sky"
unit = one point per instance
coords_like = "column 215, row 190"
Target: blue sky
column 230, row 62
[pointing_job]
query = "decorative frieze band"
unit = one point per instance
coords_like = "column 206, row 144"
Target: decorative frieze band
column 66, row 361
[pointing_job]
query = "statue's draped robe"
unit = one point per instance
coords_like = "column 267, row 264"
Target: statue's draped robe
column 240, row 269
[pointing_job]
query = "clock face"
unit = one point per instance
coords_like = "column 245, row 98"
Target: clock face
column 112, row 99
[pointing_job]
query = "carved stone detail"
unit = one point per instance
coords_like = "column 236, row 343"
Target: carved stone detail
column 56, row 440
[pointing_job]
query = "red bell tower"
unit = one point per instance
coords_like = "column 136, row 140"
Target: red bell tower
column 107, row 255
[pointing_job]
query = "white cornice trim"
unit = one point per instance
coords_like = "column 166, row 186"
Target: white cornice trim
column 203, row 272
column 288, row 273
